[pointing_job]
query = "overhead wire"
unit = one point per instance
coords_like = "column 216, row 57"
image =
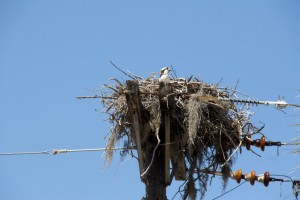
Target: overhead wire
column 295, row 186
column 60, row 151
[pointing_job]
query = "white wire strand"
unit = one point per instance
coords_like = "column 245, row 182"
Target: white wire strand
column 59, row 151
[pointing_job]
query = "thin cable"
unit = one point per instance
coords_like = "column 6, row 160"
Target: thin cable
column 283, row 180
column 59, row 151
column 24, row 153
column 229, row 191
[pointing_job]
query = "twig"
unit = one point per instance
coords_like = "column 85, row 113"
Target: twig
column 111, row 87
column 235, row 88
column 217, row 85
column 174, row 72
column 136, row 76
column 232, row 154
column 234, row 91
column 114, row 79
column 189, row 79
column 95, row 97
column 179, row 189
column 255, row 153
column 121, row 70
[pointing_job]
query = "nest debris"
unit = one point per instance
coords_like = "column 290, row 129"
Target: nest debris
column 208, row 132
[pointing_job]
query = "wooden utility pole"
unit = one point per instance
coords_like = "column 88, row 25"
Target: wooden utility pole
column 135, row 113
column 157, row 177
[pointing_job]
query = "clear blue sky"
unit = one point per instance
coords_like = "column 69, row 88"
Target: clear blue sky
column 52, row 51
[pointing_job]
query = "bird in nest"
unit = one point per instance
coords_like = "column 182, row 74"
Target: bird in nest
column 164, row 74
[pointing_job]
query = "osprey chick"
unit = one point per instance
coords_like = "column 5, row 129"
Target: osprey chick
column 164, row 74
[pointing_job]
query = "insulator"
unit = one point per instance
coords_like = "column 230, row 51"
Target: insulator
column 250, row 177
column 253, row 178
column 264, row 178
column 237, row 175
column 262, row 143
column 256, row 143
column 261, row 178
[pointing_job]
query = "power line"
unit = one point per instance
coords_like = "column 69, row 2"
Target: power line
column 296, row 183
column 60, row 151
column 24, row 153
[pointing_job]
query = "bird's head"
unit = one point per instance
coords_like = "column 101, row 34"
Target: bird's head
column 164, row 71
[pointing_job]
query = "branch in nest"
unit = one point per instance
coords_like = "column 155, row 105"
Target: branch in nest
column 121, row 70
column 228, row 159
column 112, row 88
column 136, row 76
column 96, row 97
column 114, row 79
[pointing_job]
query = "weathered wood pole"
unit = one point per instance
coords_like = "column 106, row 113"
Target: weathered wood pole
column 155, row 179
column 158, row 176
column 134, row 108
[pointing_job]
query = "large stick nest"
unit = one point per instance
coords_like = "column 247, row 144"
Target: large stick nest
column 208, row 131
